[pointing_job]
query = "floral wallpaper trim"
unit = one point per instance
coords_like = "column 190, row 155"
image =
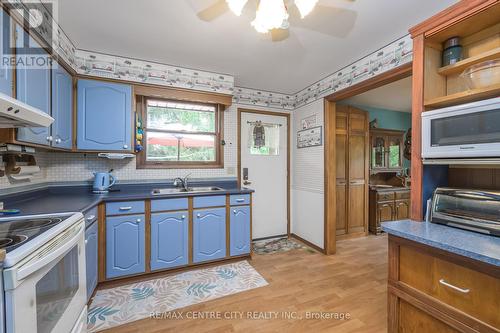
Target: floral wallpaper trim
column 253, row 97
column 128, row 69
column 391, row 56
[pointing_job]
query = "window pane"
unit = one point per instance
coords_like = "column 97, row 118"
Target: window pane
column 180, row 116
column 180, row 147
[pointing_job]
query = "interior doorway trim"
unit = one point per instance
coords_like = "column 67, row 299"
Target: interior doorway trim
column 269, row 113
column 390, row 76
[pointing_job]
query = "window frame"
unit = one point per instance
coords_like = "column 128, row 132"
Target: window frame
column 143, row 163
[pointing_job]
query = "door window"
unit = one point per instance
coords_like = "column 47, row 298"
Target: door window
column 55, row 290
column 263, row 138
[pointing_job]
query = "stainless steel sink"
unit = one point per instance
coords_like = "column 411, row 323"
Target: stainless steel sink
column 163, row 191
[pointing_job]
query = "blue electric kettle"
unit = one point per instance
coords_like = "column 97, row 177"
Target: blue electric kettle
column 102, row 182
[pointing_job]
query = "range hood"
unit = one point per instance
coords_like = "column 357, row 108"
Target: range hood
column 14, row 113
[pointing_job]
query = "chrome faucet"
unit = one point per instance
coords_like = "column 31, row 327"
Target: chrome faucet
column 178, row 182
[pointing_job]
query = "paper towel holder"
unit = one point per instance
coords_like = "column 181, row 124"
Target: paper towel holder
column 11, row 160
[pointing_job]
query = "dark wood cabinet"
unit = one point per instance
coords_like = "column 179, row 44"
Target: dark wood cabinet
column 352, row 167
column 388, row 205
column 386, row 150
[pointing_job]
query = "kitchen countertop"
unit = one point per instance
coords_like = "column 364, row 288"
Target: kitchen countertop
column 61, row 199
column 462, row 242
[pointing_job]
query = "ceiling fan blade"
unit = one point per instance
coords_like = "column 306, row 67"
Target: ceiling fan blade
column 214, row 11
column 332, row 21
column 278, row 35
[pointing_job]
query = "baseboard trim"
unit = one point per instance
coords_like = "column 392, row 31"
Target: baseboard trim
column 270, row 237
column 300, row 239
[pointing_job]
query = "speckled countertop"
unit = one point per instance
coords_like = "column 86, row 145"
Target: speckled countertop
column 465, row 243
column 61, row 199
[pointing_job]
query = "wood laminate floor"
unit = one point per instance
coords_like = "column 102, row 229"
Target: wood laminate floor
column 353, row 281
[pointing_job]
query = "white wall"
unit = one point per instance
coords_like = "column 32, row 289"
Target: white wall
column 308, row 180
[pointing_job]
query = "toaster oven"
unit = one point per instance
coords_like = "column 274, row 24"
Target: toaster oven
column 475, row 210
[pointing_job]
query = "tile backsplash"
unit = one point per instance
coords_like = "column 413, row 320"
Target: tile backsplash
column 58, row 166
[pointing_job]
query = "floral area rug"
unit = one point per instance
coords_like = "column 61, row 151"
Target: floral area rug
column 124, row 304
column 277, row 245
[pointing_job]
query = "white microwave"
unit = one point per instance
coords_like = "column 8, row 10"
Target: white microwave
column 467, row 130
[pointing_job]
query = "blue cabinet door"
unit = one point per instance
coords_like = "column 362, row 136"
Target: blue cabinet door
column 239, row 230
column 33, row 88
column 124, row 245
column 169, row 240
column 5, row 71
column 209, row 234
column 62, row 108
column 104, row 120
column 91, row 258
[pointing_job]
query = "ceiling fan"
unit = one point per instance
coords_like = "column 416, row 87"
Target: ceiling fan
column 277, row 16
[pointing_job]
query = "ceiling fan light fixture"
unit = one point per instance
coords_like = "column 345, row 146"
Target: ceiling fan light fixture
column 305, row 6
column 236, row 6
column 271, row 14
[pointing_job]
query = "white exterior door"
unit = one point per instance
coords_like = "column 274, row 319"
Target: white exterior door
column 264, row 169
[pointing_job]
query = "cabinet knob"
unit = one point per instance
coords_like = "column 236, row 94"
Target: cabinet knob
column 49, row 138
column 125, row 146
column 183, row 217
column 198, row 215
column 86, row 241
column 58, row 141
column 138, row 220
column 91, row 217
column 234, row 211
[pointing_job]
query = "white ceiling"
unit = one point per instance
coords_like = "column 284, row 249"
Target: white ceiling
column 395, row 96
column 169, row 31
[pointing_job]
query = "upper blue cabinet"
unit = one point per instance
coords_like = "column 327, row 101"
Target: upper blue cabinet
column 104, row 116
column 62, row 108
column 33, row 88
column 5, row 71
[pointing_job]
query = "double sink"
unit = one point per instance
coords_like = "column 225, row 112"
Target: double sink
column 163, row 191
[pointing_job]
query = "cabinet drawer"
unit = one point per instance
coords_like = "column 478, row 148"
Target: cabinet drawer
column 402, row 195
column 211, row 201
column 467, row 290
column 90, row 216
column 240, row 199
column 169, row 204
column 124, row 207
column 385, row 196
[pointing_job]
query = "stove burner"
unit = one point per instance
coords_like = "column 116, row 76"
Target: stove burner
column 8, row 241
column 33, row 224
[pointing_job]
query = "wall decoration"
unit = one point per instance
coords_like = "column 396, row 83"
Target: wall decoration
column 252, row 97
column 310, row 137
column 308, row 122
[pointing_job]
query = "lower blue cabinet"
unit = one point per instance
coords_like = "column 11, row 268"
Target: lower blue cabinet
column 209, row 234
column 91, row 258
column 125, row 250
column 239, row 230
column 169, row 239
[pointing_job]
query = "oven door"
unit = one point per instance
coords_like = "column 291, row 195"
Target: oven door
column 46, row 292
column 469, row 130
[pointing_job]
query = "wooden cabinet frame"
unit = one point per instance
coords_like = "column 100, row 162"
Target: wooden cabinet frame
column 386, row 133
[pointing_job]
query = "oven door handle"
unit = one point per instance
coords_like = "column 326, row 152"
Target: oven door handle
column 51, row 251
